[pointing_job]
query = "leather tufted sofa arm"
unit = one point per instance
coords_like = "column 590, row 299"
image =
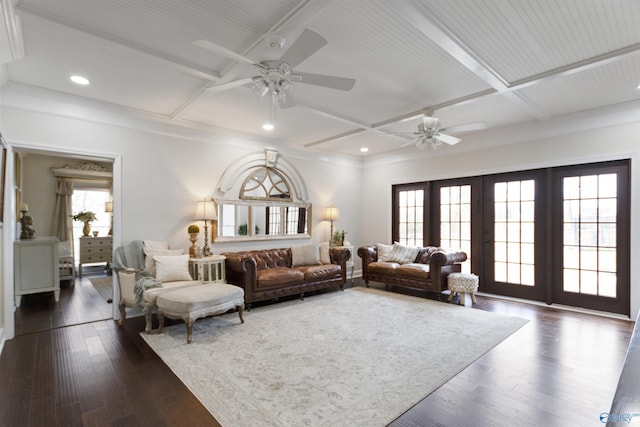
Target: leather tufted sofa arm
column 441, row 263
column 368, row 254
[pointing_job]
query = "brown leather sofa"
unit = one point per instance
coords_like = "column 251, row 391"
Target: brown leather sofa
column 427, row 272
column 267, row 274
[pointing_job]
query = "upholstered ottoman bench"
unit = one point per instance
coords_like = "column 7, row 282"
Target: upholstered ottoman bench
column 463, row 283
column 195, row 302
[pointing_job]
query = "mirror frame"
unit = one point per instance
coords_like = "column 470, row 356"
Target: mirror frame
column 231, row 187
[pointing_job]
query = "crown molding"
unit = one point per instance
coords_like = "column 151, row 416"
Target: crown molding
column 11, row 40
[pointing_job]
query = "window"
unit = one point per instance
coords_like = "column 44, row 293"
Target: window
column 90, row 200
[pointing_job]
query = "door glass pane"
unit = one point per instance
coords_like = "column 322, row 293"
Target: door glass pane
column 514, row 230
column 410, row 217
column 589, row 238
column 455, row 220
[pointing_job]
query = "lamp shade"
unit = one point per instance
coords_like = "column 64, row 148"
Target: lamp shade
column 205, row 210
column 108, row 206
column 331, row 214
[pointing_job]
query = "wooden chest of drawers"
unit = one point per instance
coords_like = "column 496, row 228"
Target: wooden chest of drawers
column 95, row 250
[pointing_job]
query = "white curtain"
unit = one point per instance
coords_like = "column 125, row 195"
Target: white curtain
column 62, row 224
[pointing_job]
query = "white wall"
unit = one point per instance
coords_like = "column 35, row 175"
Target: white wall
column 617, row 142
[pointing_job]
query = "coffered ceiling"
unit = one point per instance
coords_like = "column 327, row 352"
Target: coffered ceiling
column 491, row 62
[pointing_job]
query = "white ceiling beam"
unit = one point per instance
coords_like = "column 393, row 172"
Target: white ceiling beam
column 439, row 34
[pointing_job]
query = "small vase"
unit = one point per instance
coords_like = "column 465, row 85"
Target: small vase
column 86, row 229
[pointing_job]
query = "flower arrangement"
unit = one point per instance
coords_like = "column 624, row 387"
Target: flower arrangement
column 84, row 216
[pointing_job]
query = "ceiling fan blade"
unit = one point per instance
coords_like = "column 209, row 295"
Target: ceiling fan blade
column 340, row 83
column 466, row 127
column 447, row 139
column 212, row 47
column 229, row 85
column 306, row 45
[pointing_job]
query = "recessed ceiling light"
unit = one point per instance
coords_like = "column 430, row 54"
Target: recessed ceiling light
column 364, row 149
column 267, row 126
column 79, row 80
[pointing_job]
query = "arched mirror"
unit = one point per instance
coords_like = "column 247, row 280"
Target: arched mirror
column 262, row 197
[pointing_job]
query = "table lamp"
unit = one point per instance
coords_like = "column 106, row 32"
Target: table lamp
column 206, row 211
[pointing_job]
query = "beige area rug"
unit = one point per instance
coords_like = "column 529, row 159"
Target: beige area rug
column 361, row 357
column 104, row 285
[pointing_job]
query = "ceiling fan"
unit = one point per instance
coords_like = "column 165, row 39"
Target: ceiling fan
column 430, row 134
column 276, row 77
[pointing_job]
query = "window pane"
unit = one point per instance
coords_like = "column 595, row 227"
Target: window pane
column 571, row 280
column 571, row 257
column 500, row 192
column 607, row 259
column 607, row 284
column 607, row 185
column 607, row 210
column 571, row 188
column 589, row 282
column 589, row 187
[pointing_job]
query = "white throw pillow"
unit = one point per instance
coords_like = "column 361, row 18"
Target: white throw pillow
column 305, row 255
column 172, row 268
column 149, row 262
column 155, row 245
column 325, row 257
column 384, row 251
column 403, row 254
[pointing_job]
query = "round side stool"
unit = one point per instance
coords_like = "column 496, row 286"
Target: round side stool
column 463, row 283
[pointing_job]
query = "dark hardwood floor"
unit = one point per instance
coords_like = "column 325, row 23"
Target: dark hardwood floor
column 561, row 369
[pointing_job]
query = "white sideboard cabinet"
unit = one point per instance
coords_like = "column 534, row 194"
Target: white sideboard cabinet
column 36, row 267
column 95, row 250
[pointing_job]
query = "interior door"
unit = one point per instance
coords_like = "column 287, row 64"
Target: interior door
column 514, row 235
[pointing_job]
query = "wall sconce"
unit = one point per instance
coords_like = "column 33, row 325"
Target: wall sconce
column 331, row 214
column 206, row 211
column 108, row 208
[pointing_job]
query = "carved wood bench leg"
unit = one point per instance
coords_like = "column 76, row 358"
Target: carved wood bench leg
column 123, row 314
column 147, row 318
column 160, row 321
column 189, row 322
column 240, row 311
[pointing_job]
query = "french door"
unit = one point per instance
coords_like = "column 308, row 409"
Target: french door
column 591, row 237
column 554, row 235
column 514, row 235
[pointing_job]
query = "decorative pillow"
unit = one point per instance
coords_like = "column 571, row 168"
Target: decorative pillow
column 171, row 268
column 305, row 255
column 149, row 262
column 325, row 257
column 384, row 251
column 403, row 254
column 154, row 245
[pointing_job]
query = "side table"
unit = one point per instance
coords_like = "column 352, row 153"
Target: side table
column 351, row 263
column 208, row 269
